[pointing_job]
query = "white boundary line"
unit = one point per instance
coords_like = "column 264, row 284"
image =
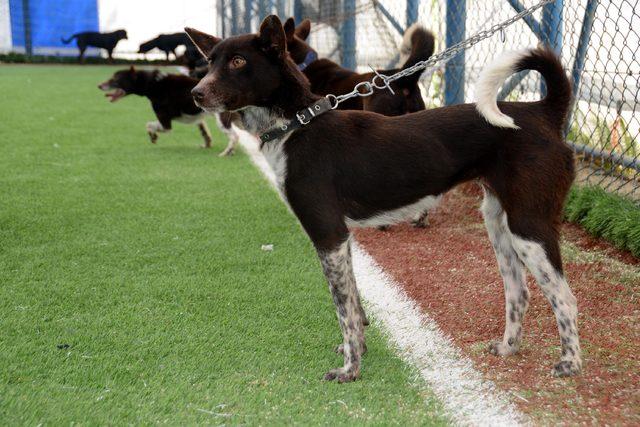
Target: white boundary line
column 467, row 398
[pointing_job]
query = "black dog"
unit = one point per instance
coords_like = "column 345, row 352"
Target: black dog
column 327, row 77
column 339, row 169
column 170, row 97
column 107, row 41
column 166, row 43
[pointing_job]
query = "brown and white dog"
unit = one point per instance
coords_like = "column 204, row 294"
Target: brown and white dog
column 170, row 96
column 346, row 168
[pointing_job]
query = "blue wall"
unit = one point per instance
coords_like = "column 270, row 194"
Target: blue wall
column 52, row 19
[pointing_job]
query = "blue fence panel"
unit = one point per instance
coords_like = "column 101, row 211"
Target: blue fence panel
column 48, row 21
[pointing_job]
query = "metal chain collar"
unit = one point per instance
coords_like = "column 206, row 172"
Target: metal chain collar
column 367, row 88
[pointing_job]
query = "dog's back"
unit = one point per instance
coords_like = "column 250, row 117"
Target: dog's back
column 327, row 77
column 96, row 39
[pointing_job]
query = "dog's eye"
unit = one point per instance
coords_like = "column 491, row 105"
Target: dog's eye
column 237, row 62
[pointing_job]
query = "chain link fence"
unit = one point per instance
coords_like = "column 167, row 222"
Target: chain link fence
column 597, row 41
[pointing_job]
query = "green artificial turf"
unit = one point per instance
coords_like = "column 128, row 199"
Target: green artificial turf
column 133, row 287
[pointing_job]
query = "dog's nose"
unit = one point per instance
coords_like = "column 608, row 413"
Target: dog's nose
column 198, row 94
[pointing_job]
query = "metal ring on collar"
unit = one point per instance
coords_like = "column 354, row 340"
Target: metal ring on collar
column 333, row 101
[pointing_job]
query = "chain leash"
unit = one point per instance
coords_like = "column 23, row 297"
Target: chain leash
column 381, row 81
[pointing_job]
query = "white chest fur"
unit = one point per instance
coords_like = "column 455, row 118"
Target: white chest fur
column 412, row 211
column 273, row 152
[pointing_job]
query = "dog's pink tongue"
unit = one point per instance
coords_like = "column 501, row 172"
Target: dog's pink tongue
column 115, row 95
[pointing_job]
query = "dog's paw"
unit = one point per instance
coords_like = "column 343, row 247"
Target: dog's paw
column 153, row 137
column 420, row 223
column 567, row 368
column 499, row 349
column 205, row 145
column 227, row 152
column 342, row 375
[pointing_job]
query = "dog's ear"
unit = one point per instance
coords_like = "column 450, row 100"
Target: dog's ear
column 203, row 41
column 303, row 29
column 289, row 29
column 272, row 36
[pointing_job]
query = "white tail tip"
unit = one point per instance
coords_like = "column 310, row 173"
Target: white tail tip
column 489, row 83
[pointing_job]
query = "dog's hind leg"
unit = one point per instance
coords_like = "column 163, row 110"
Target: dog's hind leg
column 82, row 49
column 539, row 259
column 206, row 135
column 516, row 293
column 337, row 266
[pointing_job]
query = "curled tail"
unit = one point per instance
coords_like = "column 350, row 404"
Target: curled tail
column 67, row 41
column 417, row 45
column 542, row 60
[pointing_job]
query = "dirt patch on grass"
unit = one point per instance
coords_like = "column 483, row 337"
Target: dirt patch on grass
column 450, row 269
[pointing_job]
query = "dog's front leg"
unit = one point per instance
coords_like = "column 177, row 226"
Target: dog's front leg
column 153, row 128
column 232, row 137
column 206, row 135
column 338, row 270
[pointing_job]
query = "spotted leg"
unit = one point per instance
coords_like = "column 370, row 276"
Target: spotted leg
column 555, row 288
column 338, row 270
column 421, row 220
column 516, row 294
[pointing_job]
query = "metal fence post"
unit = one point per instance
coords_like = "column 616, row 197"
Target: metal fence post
column 348, row 34
column 581, row 53
column 281, row 10
column 234, row 17
column 246, row 16
column 298, row 11
column 222, row 30
column 412, row 11
column 262, row 10
column 552, row 31
column 454, row 70
column 26, row 21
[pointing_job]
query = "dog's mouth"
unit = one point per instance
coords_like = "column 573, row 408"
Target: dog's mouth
column 211, row 107
column 115, row 95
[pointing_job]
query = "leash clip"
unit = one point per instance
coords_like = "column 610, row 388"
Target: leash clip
column 385, row 81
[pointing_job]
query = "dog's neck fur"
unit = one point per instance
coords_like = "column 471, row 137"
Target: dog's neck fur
column 145, row 81
column 293, row 95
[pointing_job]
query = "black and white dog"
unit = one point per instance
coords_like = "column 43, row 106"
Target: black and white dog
column 107, row 41
column 347, row 168
column 170, row 97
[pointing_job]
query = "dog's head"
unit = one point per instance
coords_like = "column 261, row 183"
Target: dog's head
column 246, row 70
column 147, row 46
column 121, row 84
column 296, row 39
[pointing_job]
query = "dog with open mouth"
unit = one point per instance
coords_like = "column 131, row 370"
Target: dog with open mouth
column 170, row 96
column 339, row 169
